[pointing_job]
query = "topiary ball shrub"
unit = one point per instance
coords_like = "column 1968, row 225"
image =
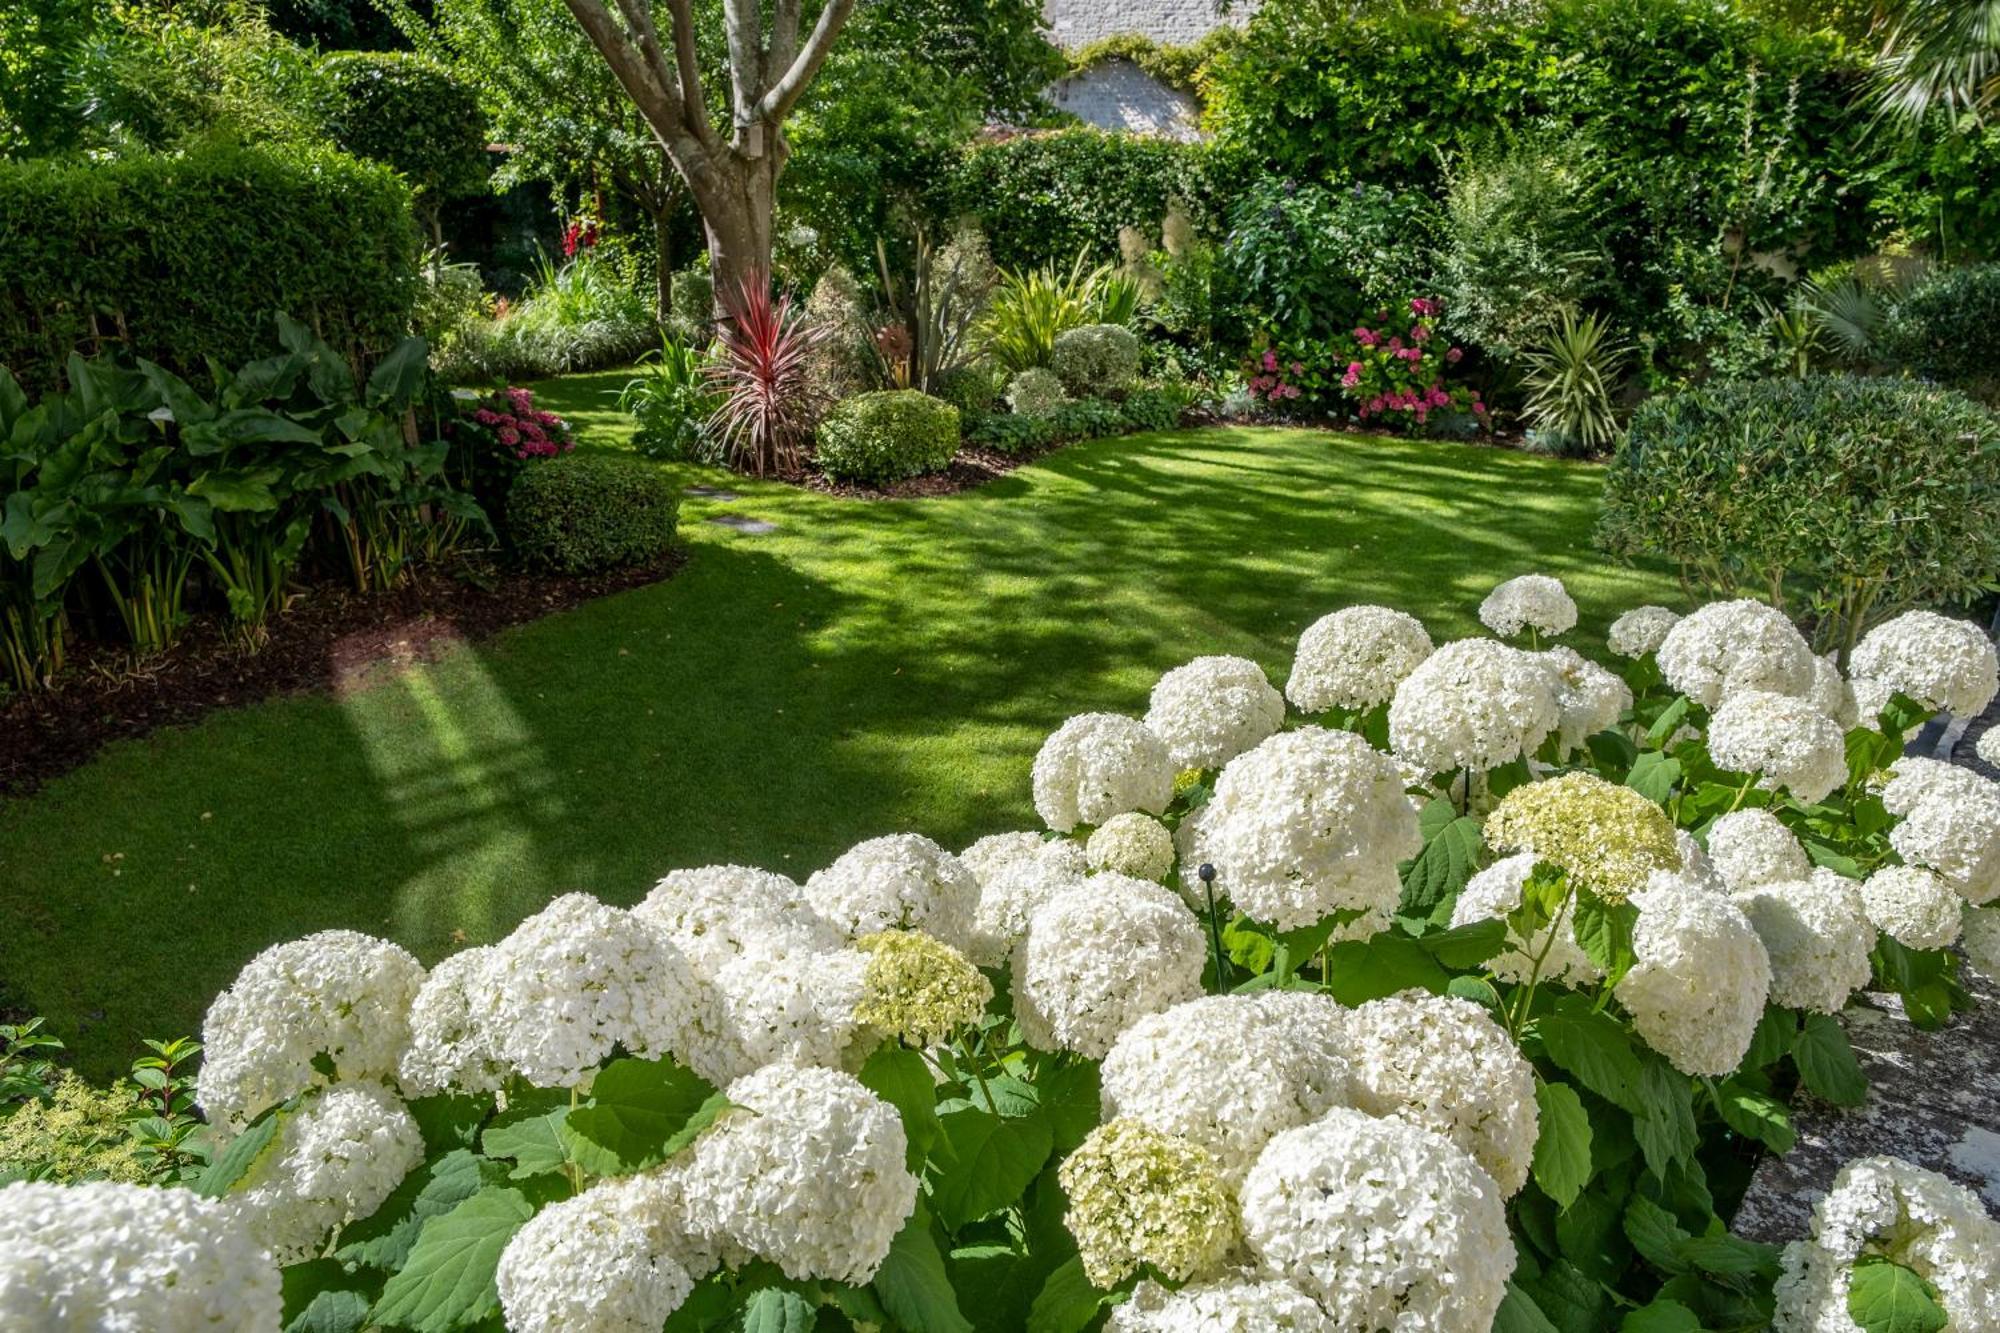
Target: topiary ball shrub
column 585, row 513
column 1096, row 360
column 1036, row 393
column 1948, row 329
column 884, row 437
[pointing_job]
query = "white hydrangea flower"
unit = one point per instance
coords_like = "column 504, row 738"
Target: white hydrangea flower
column 997, row 851
column 1641, row 630
column 1240, row 1303
column 1217, row 1072
column 1589, row 699
column 1870, row 698
column 336, row 1158
column 1818, row 937
column 130, row 1259
column 1314, row 1025
column 1915, row 779
column 1753, row 847
column 1310, row 823
column 1913, row 907
column 1988, row 747
column 1696, row 992
column 1097, row 765
column 1532, row 601
column 1355, row 658
column 1443, row 1063
column 1832, row 694
column 1101, row 956
column 451, row 1032
column 579, row 978
column 588, row 1265
column 1212, row 709
column 1386, row 1224
column 1943, row 663
column 1728, row 647
column 1956, row 832
column 1787, row 740
column 805, row 1170
column 1132, row 844
column 1493, row 894
column 1141, row 1197
column 901, row 882
column 715, row 914
column 1888, row 1207
column 796, row 1008
column 336, row 993
column 1473, row 704
column 1980, row 937
column 1010, row 895
column 1696, row 864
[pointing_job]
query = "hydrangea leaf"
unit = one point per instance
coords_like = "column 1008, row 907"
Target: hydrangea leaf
column 1885, row 1297
column 1826, row 1061
column 1724, row 1255
column 1653, row 776
column 777, row 1310
column 241, row 1153
column 1571, row 1300
column 1775, row 1033
column 1441, row 869
column 1468, row 945
column 1072, row 1098
column 912, row 1282
column 1594, row 1048
column 637, row 1108
column 531, row 1136
column 1655, row 1234
column 1362, row 970
column 322, row 1296
column 899, row 1077
column 1661, row 1316
column 447, row 1282
column 1756, row 1115
column 1562, row 1149
column 1518, row 1313
column 1664, row 1123
column 1604, row 932
column 384, row 1238
column 1067, row 1302
column 990, row 1160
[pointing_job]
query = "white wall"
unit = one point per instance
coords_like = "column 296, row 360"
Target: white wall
column 1075, row 23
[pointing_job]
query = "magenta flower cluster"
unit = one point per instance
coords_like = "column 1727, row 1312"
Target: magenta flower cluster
column 514, row 421
column 1390, row 367
column 1271, row 382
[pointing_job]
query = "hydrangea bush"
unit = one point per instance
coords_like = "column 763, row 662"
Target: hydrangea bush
column 1457, row 1001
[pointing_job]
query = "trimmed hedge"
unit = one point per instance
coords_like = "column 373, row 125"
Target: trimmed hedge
column 883, row 437
column 583, row 513
column 411, row 114
column 1948, row 329
column 182, row 258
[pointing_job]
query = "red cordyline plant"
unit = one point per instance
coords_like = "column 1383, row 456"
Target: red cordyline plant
column 768, row 404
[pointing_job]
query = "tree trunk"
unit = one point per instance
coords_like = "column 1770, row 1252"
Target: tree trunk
column 663, row 264
column 736, row 213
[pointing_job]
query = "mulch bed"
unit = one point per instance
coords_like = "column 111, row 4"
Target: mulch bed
column 330, row 639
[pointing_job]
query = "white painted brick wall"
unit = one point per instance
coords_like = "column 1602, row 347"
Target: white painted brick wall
column 1075, row 23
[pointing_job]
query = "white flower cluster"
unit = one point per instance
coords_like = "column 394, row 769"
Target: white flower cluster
column 1016, row 879
column 1132, row 844
column 1728, row 647
column 1213, row 709
column 1980, row 936
column 998, row 850
column 1589, row 699
column 1818, row 937
column 448, row 1030
column 1531, row 601
column 130, row 1259
column 1696, row 992
column 1641, row 630
column 1141, row 1197
column 592, row 1264
column 1988, row 747
column 336, row 1158
column 901, row 882
column 1886, row 1207
column 1753, row 847
column 1950, row 825
column 1833, row 694
column 1234, row 1304
column 1912, row 906
column 1101, row 956
column 1493, row 894
column 1916, row 779
column 717, row 914
column 1787, row 740
column 1473, row 704
column 1355, row 658
column 1097, row 765
column 336, row 994
column 1942, row 663
column 1310, row 823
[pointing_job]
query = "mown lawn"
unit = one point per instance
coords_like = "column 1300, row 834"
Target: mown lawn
column 872, row 666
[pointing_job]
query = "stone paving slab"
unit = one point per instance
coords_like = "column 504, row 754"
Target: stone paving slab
column 743, row 523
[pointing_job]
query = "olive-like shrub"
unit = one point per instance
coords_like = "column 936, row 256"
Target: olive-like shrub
column 585, row 513
column 1037, row 394
column 887, row 436
column 1840, row 497
column 1414, row 1012
column 1097, row 360
column 1948, row 329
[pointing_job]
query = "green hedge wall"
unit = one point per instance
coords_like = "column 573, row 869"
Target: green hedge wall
column 178, row 258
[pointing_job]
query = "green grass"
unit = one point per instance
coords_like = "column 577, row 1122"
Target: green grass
column 873, row 666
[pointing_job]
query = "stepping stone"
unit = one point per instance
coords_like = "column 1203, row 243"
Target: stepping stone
column 1933, row 1099
column 711, row 493
column 743, row 523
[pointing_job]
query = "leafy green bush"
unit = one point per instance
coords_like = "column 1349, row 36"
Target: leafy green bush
column 1011, row 434
column 972, row 388
column 1096, row 360
column 585, row 513
column 1036, row 392
column 1948, row 329
column 1155, row 409
column 186, row 258
column 1850, row 497
column 411, row 114
column 883, row 437
column 672, row 401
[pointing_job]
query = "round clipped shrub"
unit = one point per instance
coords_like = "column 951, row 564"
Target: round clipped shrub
column 1948, row 329
column 1036, row 393
column 883, row 437
column 1096, row 360
column 583, row 513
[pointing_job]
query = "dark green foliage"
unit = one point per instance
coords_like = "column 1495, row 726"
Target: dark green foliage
column 1948, row 329
column 882, row 437
column 180, row 259
column 410, row 114
column 584, row 513
column 1081, row 419
column 1857, row 496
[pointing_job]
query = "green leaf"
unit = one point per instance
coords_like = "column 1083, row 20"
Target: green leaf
column 1655, row 1234
column 1724, row 1255
column 449, row 1120
column 398, row 376
column 1442, row 867
column 899, row 1076
column 1595, row 1048
column 1067, row 1302
column 1570, row 1299
column 1885, row 1297
column 447, row 1283
column 637, row 1109
column 1468, row 945
column 1476, row 989
column 1826, row 1062
column 1072, row 1098
column 384, row 1238
column 1668, row 722
column 778, row 1310
column 237, row 492
column 1653, row 776
column 1562, row 1149
column 1518, row 1313
column 1773, row 1038
column 1362, row 970
column 1604, row 932
column 322, row 1296
column 991, row 1159
column 1662, row 1316
column 242, row 1153
column 1664, row 1124
column 1756, row 1115
column 912, row 1282
column 532, row 1137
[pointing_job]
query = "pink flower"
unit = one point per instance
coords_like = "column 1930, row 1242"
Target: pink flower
column 1365, row 336
column 1395, row 344
column 1420, row 306
column 1455, row 355
column 1270, row 360
column 1291, row 391
column 1420, row 333
column 509, row 436
column 1298, row 369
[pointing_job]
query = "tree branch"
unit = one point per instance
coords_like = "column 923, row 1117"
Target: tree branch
column 743, row 24
column 659, row 105
column 639, row 21
column 784, row 43
column 694, row 99
column 785, row 93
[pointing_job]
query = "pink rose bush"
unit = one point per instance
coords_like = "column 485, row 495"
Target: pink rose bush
column 1391, row 367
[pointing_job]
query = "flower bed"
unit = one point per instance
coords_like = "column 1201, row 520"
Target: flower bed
column 1450, row 988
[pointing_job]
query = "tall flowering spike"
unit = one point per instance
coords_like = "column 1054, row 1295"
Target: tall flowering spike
column 1549, row 956
column 590, row 1264
column 117, row 1257
column 1941, row 662
column 1641, row 630
column 1753, row 847
column 1101, row 956
column 1697, row 991
column 1213, row 709
column 337, row 1158
column 1789, row 742
column 1355, row 658
column 1473, row 704
column 1608, row 838
column 1386, row 1224
column 1531, row 602
column 1817, row 933
column 1097, row 765
column 1140, row 1197
column 918, row 989
column 337, row 994
column 1728, row 647
column 900, row 882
